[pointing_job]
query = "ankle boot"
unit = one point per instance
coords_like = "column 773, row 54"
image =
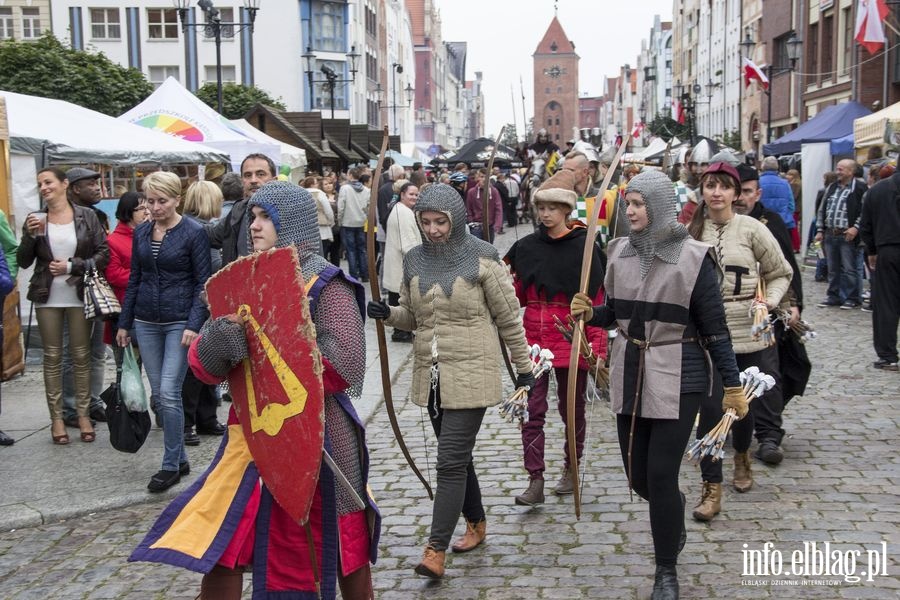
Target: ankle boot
column 475, row 534
column 710, row 503
column 565, row 485
column 432, row 564
column 533, row 495
column 222, row 584
column 743, row 475
column 665, row 586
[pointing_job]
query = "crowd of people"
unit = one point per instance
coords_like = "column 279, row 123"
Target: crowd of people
column 684, row 265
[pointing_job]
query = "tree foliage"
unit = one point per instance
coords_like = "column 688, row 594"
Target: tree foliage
column 510, row 136
column 47, row 68
column 237, row 99
column 666, row 127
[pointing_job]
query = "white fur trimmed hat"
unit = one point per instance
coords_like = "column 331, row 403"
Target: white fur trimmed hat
column 560, row 189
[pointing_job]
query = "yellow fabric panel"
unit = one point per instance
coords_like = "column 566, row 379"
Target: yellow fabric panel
column 609, row 198
column 199, row 522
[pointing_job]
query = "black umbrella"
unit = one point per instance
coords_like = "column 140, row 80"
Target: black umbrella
column 477, row 153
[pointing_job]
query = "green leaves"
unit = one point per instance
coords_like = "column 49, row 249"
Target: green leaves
column 237, row 99
column 47, row 68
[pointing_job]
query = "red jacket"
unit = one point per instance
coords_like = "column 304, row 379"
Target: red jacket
column 540, row 328
column 118, row 269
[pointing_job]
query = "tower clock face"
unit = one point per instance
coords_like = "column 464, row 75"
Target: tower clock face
column 554, row 71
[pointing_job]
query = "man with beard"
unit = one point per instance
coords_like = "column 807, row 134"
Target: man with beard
column 84, row 190
column 230, row 233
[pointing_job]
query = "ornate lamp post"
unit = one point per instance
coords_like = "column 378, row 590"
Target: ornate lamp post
column 331, row 77
column 410, row 92
column 793, row 45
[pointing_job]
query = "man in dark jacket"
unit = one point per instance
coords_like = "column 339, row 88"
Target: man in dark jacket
column 880, row 232
column 230, row 233
column 84, row 190
column 838, row 222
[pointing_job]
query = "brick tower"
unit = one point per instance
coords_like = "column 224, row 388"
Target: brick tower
column 556, row 84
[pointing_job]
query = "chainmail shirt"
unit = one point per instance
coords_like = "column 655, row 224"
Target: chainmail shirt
column 664, row 236
column 443, row 263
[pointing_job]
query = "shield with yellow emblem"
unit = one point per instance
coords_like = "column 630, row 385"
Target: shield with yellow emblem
column 276, row 392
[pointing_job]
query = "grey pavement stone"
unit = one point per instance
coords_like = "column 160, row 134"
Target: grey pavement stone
column 837, row 484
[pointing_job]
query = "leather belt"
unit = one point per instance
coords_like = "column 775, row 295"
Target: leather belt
column 835, row 231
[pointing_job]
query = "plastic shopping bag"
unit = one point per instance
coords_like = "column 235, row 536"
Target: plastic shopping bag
column 132, row 392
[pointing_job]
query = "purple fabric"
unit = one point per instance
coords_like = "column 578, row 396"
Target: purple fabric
column 533, row 432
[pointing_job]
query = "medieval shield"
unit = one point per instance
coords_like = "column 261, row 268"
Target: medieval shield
column 277, row 392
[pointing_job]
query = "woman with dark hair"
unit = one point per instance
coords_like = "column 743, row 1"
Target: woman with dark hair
column 747, row 253
column 59, row 241
column 662, row 297
column 131, row 211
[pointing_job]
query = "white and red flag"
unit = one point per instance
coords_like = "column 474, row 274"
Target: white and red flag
column 870, row 16
column 638, row 128
column 677, row 111
column 752, row 71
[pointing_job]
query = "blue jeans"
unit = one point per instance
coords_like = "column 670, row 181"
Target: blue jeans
column 843, row 258
column 354, row 240
column 165, row 362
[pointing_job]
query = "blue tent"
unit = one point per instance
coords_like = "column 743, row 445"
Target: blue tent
column 842, row 146
column 830, row 124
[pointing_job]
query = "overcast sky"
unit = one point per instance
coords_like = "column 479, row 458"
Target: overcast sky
column 503, row 34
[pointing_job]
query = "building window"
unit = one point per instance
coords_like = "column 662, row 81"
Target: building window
column 328, row 26
column 159, row 74
column 6, row 23
column 812, row 49
column 371, row 67
column 228, row 74
column 31, row 23
column 550, row 122
column 226, row 15
column 322, row 94
column 827, row 46
column 848, row 39
column 546, row 90
column 371, row 22
column 162, row 23
column 105, row 24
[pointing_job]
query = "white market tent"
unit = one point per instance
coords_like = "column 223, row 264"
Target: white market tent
column 175, row 111
column 400, row 159
column 292, row 156
column 56, row 131
column 870, row 130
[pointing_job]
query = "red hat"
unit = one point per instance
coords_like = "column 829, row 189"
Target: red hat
column 723, row 167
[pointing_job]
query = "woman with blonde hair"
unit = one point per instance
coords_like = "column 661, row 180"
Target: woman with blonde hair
column 170, row 264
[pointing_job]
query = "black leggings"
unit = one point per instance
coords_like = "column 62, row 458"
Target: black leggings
column 656, row 451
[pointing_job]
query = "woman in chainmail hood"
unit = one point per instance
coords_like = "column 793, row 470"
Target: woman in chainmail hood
column 455, row 296
column 662, row 296
column 345, row 537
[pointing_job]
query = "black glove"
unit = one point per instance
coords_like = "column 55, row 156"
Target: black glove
column 525, row 380
column 378, row 310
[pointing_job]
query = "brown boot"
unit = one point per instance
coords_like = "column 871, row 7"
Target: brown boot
column 565, row 485
column 475, row 534
column 432, row 564
column 710, row 503
column 533, row 495
column 743, row 476
column 222, row 583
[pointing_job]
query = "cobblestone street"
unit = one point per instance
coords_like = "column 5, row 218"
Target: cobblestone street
column 837, row 484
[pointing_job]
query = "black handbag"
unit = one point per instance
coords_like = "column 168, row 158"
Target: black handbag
column 100, row 301
column 794, row 365
column 127, row 429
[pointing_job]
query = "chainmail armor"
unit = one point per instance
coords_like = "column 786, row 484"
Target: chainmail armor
column 443, row 263
column 221, row 346
column 664, row 236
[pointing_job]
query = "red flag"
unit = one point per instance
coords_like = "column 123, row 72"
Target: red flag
column 638, row 128
column 870, row 16
column 677, row 111
column 752, row 71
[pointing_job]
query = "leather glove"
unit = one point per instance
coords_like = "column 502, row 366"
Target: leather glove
column 525, row 380
column 378, row 310
column 735, row 398
column 581, row 305
column 221, row 346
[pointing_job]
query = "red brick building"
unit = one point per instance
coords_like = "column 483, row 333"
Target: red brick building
column 556, row 84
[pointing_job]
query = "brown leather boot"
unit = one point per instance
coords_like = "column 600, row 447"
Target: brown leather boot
column 475, row 534
column 533, row 495
column 432, row 564
column 710, row 503
column 222, row 584
column 565, row 485
column 743, row 475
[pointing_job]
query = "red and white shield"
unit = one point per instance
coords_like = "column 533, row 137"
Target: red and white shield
column 277, row 392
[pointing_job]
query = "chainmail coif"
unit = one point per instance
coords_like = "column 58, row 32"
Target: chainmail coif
column 443, row 263
column 664, row 236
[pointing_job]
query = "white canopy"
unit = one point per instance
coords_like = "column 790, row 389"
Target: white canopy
column 67, row 133
column 292, row 156
column 870, row 129
column 172, row 109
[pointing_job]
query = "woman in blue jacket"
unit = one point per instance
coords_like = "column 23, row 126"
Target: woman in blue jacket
column 170, row 263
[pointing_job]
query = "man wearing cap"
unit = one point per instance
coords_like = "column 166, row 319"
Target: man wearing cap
column 84, row 190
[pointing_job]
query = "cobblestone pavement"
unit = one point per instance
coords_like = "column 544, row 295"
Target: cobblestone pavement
column 837, row 484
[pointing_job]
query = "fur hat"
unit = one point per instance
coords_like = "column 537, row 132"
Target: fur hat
column 560, row 189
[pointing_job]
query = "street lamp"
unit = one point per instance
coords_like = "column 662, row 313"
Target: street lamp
column 397, row 68
column 793, row 46
column 214, row 27
column 683, row 92
column 331, row 77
